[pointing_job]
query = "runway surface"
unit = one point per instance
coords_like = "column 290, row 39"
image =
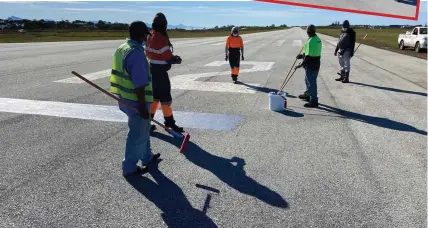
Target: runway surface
column 357, row 161
column 406, row 8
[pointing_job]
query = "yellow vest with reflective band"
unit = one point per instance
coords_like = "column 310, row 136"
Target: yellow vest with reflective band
column 120, row 81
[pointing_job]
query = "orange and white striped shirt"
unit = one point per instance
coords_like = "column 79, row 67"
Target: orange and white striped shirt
column 158, row 49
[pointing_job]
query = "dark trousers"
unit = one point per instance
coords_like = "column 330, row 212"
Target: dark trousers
column 311, row 85
column 161, row 83
column 234, row 61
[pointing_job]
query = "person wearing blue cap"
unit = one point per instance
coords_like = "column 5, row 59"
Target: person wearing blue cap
column 345, row 47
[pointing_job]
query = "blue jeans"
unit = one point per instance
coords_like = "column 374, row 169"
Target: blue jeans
column 311, row 85
column 137, row 145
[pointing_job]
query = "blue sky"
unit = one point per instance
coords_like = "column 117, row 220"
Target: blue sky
column 199, row 14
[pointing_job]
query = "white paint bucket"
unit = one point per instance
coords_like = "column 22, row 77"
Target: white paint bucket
column 277, row 102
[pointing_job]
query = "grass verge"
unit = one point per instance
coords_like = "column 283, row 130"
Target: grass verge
column 381, row 38
column 55, row 36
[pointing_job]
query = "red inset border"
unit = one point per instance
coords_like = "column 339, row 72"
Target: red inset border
column 416, row 17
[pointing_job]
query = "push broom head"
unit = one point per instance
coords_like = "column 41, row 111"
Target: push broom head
column 184, row 143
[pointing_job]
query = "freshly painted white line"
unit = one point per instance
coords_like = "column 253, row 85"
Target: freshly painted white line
column 91, row 76
column 279, row 43
column 188, row 81
column 297, row 43
column 208, row 121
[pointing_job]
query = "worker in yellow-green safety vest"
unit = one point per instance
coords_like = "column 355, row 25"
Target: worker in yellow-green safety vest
column 131, row 81
column 311, row 62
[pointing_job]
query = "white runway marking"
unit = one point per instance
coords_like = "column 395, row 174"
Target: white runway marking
column 297, row 43
column 188, row 81
column 219, row 122
column 91, row 77
column 279, row 43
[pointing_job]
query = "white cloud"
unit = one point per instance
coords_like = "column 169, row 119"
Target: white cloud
column 104, row 10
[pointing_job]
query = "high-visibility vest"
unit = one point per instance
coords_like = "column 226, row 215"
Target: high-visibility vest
column 120, row 81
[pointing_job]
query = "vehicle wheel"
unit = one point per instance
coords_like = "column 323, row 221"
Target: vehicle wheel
column 402, row 45
column 417, row 47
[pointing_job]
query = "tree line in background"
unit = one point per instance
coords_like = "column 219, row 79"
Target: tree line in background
column 94, row 25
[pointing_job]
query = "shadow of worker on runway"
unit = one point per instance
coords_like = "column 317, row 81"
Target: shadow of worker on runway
column 262, row 89
column 168, row 197
column 377, row 121
column 225, row 170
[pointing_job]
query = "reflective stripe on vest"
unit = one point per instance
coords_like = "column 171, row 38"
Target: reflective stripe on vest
column 120, row 81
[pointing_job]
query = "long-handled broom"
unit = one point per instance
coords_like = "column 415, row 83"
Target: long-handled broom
column 288, row 77
column 185, row 137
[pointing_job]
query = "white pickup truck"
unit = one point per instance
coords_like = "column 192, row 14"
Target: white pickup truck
column 416, row 39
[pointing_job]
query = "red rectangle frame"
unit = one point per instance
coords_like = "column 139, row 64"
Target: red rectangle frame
column 416, row 17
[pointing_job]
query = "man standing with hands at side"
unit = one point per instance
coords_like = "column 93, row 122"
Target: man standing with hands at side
column 131, row 81
column 311, row 62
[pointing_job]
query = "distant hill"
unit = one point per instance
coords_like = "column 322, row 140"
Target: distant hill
column 13, row 18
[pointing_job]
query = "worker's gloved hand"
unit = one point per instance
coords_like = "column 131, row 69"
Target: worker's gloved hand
column 242, row 58
column 144, row 113
column 298, row 66
column 226, row 58
column 300, row 56
column 177, row 59
column 335, row 53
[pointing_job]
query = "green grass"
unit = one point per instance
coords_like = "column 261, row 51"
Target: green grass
column 381, row 38
column 53, row 36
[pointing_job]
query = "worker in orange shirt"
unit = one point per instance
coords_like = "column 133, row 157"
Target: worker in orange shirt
column 234, row 47
column 159, row 52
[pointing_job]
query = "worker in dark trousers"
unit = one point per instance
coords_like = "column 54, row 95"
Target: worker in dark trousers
column 311, row 62
column 159, row 52
column 234, row 48
column 345, row 46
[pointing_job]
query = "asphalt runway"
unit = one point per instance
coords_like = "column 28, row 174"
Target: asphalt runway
column 405, row 8
column 357, row 161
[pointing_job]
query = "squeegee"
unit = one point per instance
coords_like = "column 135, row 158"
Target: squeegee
column 185, row 137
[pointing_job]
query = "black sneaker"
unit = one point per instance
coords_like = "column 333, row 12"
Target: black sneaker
column 304, row 96
column 137, row 171
column 175, row 128
column 154, row 158
column 342, row 76
column 311, row 105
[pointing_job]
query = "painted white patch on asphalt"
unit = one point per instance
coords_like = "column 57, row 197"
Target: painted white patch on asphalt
column 91, row 77
column 279, row 43
column 297, row 43
column 188, row 81
column 220, row 122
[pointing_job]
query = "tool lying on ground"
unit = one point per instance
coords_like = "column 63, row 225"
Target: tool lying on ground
column 185, row 137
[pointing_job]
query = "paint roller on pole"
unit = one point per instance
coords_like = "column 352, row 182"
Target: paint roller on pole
column 288, row 77
column 360, row 44
column 185, row 137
